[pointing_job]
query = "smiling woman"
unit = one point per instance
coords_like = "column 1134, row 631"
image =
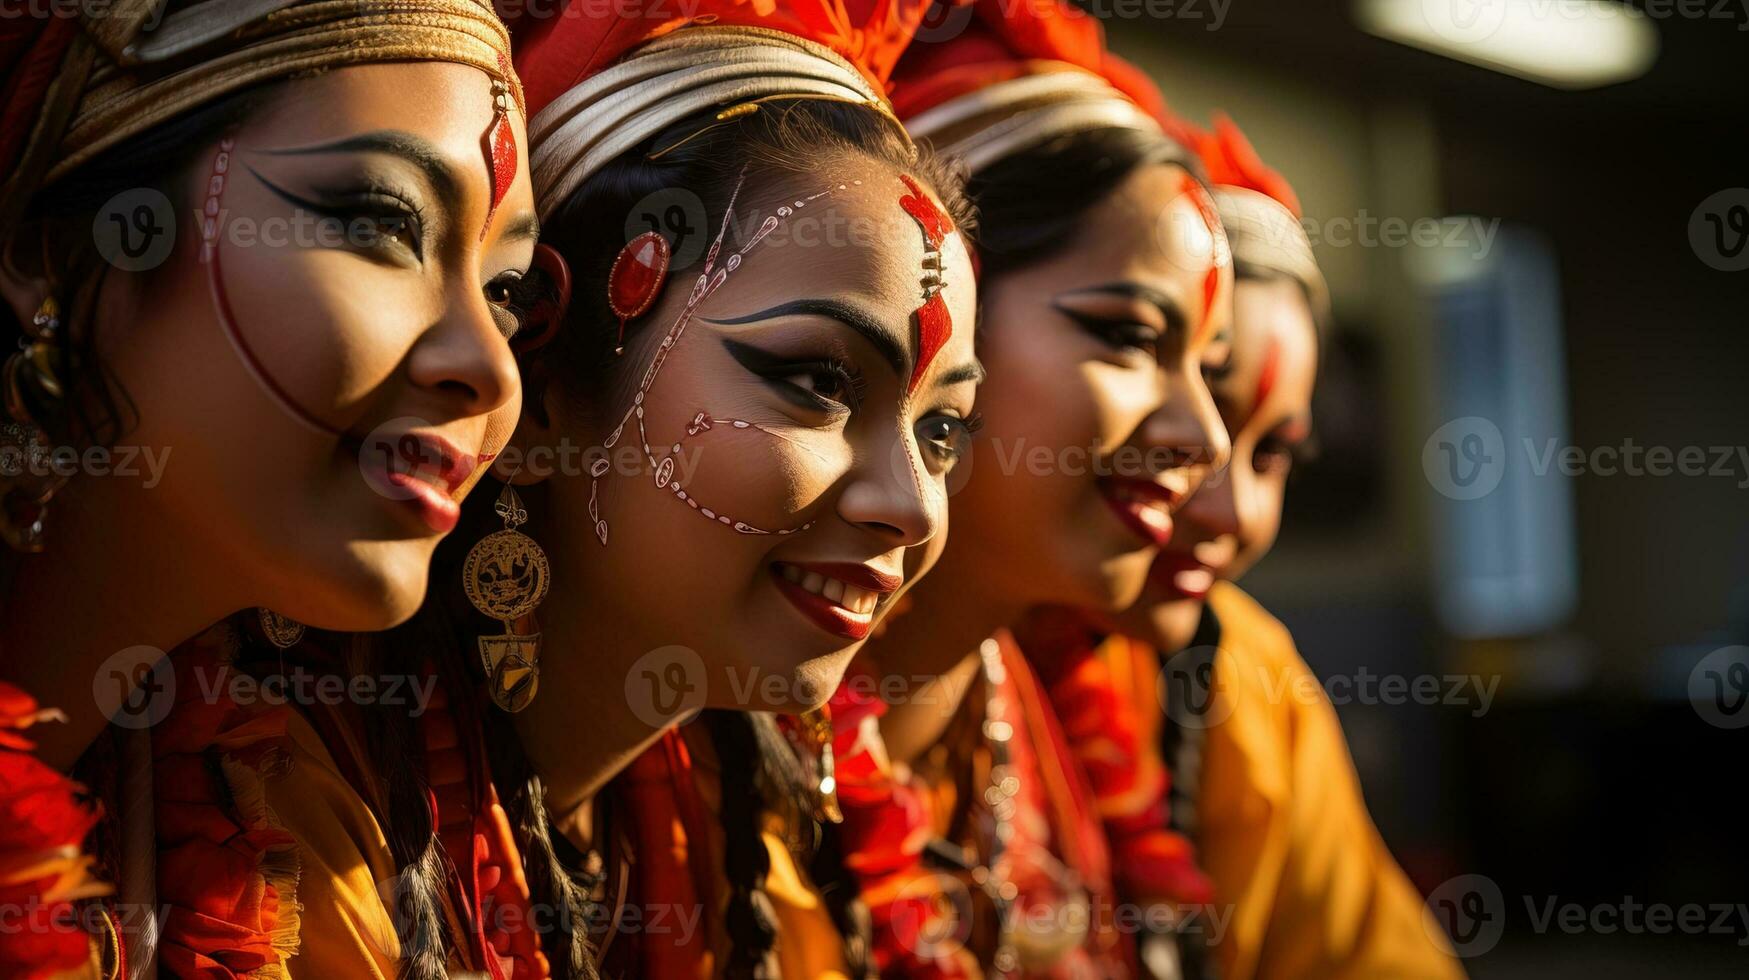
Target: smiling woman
column 732, row 458
column 1105, row 292
column 277, row 240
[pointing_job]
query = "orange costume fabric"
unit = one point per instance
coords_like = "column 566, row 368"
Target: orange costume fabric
column 1306, row 884
column 668, row 799
column 272, row 864
column 268, row 861
column 1056, row 838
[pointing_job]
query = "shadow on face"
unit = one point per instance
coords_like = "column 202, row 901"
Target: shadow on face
column 765, row 472
column 325, row 385
column 1265, row 396
column 1099, row 424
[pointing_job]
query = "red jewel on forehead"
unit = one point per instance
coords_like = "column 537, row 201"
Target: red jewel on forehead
column 934, row 323
column 500, row 144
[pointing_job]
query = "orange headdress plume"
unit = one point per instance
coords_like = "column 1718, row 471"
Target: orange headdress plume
column 602, row 82
column 1020, row 74
column 1260, row 211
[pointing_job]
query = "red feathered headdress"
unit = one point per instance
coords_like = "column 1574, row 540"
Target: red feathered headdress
column 600, row 85
column 557, row 53
column 1260, row 211
column 1231, row 162
column 973, row 51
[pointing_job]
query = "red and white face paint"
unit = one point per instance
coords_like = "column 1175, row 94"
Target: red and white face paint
column 662, row 467
column 211, row 256
column 501, row 152
column 1217, row 248
column 934, row 326
column 934, row 323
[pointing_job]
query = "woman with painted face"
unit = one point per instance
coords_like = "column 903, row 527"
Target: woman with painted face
column 1103, row 289
column 257, row 258
column 732, row 459
column 1293, row 879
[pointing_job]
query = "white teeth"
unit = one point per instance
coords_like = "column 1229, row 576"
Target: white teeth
column 857, row 600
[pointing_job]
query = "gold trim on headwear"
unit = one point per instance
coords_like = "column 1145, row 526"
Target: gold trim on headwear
column 997, row 121
column 1264, row 234
column 675, row 77
column 736, row 112
column 131, row 70
column 120, row 102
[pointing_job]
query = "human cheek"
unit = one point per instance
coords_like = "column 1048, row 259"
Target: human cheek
column 743, row 466
column 1261, row 498
column 327, row 326
column 1122, row 398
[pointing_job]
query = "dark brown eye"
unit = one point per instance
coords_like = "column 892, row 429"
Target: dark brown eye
column 949, row 436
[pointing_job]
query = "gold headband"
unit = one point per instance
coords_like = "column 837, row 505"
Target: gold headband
column 1265, row 235
column 144, row 62
column 673, row 78
column 999, row 120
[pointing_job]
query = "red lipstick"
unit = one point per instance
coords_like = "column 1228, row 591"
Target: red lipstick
column 839, row 597
column 1143, row 506
column 421, row 470
column 1183, row 576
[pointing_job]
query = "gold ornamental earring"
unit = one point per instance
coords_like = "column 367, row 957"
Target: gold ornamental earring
column 506, row 576
column 33, row 389
column 812, row 733
column 283, row 632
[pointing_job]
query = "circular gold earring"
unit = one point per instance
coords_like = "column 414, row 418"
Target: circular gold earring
column 283, row 632
column 506, row 575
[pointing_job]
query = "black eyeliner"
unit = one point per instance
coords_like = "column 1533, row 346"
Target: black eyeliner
column 339, row 212
column 772, row 368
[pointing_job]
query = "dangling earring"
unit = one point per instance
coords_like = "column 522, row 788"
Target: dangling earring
column 506, row 577
column 283, row 632
column 636, row 279
column 32, row 389
column 811, row 732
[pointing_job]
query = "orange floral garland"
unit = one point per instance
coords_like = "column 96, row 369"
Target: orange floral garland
column 1101, row 714
column 43, row 867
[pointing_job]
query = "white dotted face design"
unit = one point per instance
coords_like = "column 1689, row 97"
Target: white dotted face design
column 662, row 466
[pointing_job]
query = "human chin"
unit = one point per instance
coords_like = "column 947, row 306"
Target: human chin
column 800, row 638
column 1173, row 624
column 1101, row 564
column 357, row 584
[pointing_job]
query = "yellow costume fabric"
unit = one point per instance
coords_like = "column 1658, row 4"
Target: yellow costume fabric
column 344, row 927
column 1305, row 882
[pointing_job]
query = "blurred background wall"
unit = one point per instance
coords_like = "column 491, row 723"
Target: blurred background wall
column 1603, row 315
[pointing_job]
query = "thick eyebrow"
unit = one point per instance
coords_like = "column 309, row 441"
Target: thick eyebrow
column 972, row 371
column 885, row 341
column 1169, row 308
column 524, row 226
column 393, row 142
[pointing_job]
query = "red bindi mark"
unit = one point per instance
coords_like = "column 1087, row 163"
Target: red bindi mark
column 934, row 323
column 1267, row 377
column 500, row 144
column 1211, row 282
